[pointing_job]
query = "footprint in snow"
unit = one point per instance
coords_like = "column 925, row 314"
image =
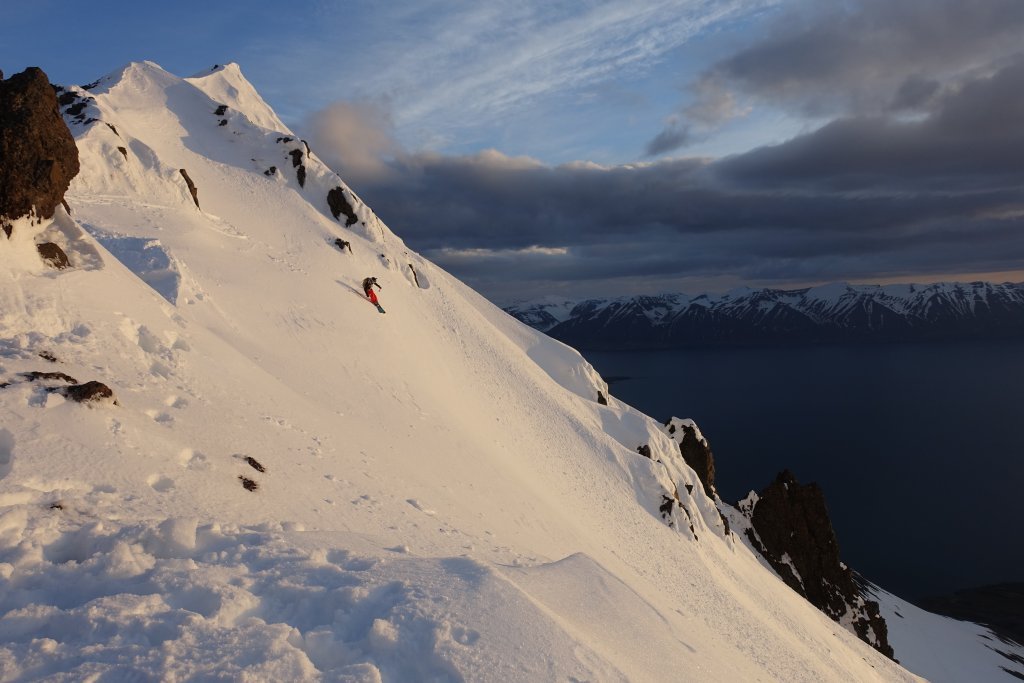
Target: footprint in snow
column 192, row 459
column 160, row 483
column 160, row 416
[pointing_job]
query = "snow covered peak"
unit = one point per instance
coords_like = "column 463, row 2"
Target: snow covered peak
column 139, row 76
column 830, row 293
column 225, row 83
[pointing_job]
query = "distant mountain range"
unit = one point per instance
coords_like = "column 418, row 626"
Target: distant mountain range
column 837, row 312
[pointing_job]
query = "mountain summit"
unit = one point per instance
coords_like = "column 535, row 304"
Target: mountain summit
column 282, row 484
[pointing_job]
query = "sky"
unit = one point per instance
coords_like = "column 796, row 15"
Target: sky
column 623, row 147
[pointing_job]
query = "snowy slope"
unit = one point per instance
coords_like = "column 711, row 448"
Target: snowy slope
column 438, row 494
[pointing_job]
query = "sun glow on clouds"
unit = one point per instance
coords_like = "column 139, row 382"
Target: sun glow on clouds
column 482, row 254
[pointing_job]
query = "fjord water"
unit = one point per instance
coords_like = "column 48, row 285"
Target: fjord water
column 919, row 447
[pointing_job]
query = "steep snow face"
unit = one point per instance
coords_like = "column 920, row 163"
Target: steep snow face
column 295, row 486
column 226, row 84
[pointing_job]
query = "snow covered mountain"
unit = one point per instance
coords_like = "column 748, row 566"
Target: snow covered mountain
column 835, row 312
column 286, row 484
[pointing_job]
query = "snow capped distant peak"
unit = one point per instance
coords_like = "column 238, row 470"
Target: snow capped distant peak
column 832, row 312
column 139, row 72
column 830, row 292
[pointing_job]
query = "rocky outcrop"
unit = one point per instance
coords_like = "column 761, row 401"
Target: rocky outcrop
column 695, row 451
column 191, row 186
column 340, row 205
column 300, row 168
column 38, row 156
column 53, row 255
column 791, row 528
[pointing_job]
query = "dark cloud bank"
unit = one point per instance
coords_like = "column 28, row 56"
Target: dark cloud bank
column 920, row 172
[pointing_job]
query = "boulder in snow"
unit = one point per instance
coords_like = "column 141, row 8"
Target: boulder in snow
column 89, row 392
column 38, row 156
column 53, row 255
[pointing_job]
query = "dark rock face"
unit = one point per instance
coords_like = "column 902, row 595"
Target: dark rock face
column 644, row 450
column 191, row 186
column 601, row 398
column 697, row 455
column 792, row 530
column 38, row 156
column 88, row 392
column 343, row 245
column 53, row 255
column 340, row 205
column 300, row 168
column 270, row 171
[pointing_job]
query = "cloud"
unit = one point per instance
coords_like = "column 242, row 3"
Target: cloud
column 861, row 197
column 354, row 138
column 971, row 143
column 673, row 137
column 860, row 58
column 452, row 70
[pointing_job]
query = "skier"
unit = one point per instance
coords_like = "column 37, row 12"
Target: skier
column 368, row 284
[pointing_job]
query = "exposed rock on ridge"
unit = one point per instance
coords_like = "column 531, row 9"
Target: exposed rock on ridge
column 792, row 530
column 38, row 156
column 695, row 451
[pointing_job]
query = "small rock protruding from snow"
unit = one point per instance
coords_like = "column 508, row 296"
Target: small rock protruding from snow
column 53, row 255
column 191, row 186
column 90, row 392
